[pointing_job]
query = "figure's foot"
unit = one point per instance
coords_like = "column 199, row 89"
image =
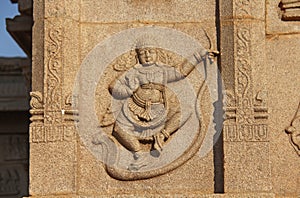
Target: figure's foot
column 155, row 153
column 135, row 167
column 138, row 162
column 158, row 141
column 97, row 139
column 136, row 156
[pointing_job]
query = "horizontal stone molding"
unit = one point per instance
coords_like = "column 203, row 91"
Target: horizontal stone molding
column 45, row 134
column 246, row 133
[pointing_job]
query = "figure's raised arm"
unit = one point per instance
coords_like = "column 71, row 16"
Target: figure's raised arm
column 186, row 67
column 190, row 63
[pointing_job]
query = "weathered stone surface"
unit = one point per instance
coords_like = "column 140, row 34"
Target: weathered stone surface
column 97, row 53
column 180, row 195
column 60, row 169
column 245, row 131
column 147, row 11
column 275, row 24
column 284, row 100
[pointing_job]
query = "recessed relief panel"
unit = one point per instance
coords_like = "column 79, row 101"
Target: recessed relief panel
column 142, row 111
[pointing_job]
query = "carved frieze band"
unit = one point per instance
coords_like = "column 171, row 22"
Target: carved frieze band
column 56, row 125
column 246, row 113
column 247, row 133
column 52, row 133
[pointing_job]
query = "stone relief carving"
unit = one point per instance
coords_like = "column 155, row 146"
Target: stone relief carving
column 56, row 8
column 45, row 134
column 70, row 111
column 55, row 131
column 9, row 181
column 53, row 66
column 151, row 113
column 290, row 10
column 294, row 131
column 246, row 113
column 242, row 7
column 37, row 108
column 52, row 115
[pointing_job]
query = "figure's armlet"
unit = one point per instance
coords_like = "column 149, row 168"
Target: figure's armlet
column 188, row 65
column 181, row 71
column 186, row 68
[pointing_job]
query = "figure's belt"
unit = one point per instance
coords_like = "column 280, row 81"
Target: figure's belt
column 158, row 87
column 143, row 103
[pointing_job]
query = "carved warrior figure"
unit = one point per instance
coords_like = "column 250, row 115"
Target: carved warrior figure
column 151, row 113
column 294, row 131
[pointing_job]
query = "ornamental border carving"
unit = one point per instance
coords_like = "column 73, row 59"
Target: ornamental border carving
column 46, row 128
column 53, row 65
column 245, row 113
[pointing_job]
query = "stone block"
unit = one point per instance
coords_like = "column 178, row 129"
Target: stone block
column 52, row 167
column 275, row 24
column 62, row 9
column 283, row 102
column 109, row 120
column 147, row 11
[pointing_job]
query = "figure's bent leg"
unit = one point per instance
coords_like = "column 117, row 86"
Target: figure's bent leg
column 128, row 141
column 173, row 119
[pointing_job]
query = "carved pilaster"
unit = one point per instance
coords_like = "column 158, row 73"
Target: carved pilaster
column 242, row 8
column 246, row 112
column 53, row 115
column 245, row 130
column 55, row 8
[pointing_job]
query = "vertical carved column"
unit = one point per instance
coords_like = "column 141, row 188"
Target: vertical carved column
column 53, row 79
column 246, row 141
column 52, row 130
column 52, row 115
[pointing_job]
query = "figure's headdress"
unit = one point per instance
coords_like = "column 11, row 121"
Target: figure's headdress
column 146, row 41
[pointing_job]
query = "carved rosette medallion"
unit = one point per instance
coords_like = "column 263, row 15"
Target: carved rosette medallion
column 144, row 116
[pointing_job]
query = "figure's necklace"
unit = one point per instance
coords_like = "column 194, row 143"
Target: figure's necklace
column 150, row 72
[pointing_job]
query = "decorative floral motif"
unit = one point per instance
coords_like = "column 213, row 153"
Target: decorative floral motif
column 54, row 68
column 243, row 7
column 36, row 101
column 244, row 87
